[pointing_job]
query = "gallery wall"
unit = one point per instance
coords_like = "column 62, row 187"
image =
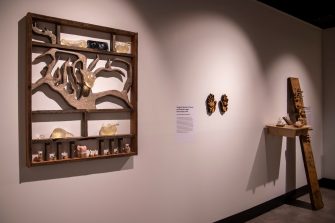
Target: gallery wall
column 328, row 49
column 187, row 49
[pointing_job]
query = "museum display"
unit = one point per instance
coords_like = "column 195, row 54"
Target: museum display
column 88, row 74
column 211, row 104
column 297, row 116
column 223, row 103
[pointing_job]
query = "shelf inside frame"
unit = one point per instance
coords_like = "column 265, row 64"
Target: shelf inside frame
column 287, row 130
column 80, row 25
column 41, row 163
column 72, row 139
column 117, row 110
column 79, row 49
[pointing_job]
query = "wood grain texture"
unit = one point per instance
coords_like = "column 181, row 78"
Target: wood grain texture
column 134, row 95
column 306, row 147
column 80, row 96
column 27, row 91
column 287, row 130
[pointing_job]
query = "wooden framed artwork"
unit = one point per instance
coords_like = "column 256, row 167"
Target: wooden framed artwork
column 81, row 95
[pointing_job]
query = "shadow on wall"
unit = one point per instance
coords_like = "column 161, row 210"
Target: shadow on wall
column 59, row 170
column 267, row 161
column 290, row 155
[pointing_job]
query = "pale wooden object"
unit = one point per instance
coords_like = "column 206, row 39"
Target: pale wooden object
column 77, row 76
column 75, row 43
column 287, row 130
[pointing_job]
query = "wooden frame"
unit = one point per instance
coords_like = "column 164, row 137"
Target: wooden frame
column 82, row 104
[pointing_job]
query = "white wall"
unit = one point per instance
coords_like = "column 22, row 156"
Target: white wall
column 328, row 54
column 186, row 51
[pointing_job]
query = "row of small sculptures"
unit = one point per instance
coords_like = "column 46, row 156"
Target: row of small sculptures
column 119, row 47
column 211, row 104
column 81, row 152
column 300, row 112
column 108, row 129
column 286, row 121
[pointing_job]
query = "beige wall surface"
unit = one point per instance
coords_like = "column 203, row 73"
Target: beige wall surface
column 187, row 49
column 328, row 65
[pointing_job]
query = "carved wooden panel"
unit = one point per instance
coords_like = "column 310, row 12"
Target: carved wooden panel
column 69, row 69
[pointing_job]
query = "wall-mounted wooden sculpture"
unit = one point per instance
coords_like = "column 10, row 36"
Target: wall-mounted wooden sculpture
column 75, row 79
column 211, row 104
column 223, row 104
column 75, row 43
column 59, row 63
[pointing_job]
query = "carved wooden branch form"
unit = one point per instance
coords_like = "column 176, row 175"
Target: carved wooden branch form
column 44, row 32
column 74, row 80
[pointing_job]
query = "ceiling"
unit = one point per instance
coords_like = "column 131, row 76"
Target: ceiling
column 320, row 13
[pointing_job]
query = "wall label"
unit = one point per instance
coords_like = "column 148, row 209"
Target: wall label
column 184, row 122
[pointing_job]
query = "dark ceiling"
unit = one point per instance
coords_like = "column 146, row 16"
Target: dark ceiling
column 320, row 13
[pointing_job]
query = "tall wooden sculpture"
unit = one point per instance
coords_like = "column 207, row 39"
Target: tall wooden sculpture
column 297, row 113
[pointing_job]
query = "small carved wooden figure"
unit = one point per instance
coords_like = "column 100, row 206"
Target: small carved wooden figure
column 44, row 32
column 211, row 104
column 82, row 151
column 224, row 103
column 298, row 98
